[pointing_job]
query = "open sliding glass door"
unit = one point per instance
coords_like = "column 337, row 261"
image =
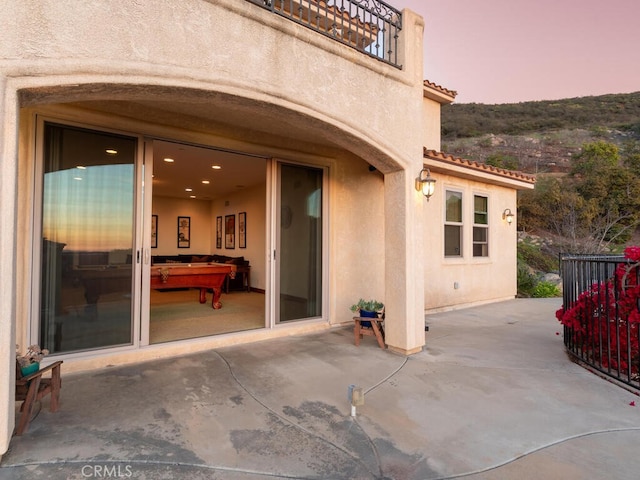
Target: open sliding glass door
column 299, row 243
column 87, row 266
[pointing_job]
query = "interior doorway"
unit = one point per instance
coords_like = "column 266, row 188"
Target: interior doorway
column 208, row 207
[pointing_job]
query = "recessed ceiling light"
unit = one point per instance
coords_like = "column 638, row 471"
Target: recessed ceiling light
column 216, row 167
column 169, row 160
column 206, row 182
column 111, row 151
column 77, row 178
column 81, row 167
column 192, row 196
column 188, row 189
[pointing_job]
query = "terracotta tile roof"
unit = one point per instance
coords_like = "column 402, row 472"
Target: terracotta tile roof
column 483, row 167
column 441, row 89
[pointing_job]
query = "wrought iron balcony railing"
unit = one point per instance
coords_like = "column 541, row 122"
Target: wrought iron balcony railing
column 370, row 26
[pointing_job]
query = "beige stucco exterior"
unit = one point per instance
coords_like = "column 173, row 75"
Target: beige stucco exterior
column 456, row 282
column 434, row 96
column 230, row 74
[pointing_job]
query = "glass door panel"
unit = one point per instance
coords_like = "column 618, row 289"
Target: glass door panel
column 87, row 239
column 300, row 243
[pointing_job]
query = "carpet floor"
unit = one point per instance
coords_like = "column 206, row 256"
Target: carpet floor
column 177, row 315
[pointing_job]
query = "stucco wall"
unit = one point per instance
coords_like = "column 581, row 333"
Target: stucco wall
column 233, row 45
column 467, row 280
column 357, row 236
column 284, row 85
column 432, row 127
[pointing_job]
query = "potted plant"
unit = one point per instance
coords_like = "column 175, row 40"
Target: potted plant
column 30, row 361
column 367, row 308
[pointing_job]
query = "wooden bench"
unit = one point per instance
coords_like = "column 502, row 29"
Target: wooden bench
column 369, row 326
column 33, row 388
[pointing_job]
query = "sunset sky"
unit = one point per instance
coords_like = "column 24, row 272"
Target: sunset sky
column 504, row 51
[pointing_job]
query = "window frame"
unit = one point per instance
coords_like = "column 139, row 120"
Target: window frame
column 452, row 223
column 483, row 226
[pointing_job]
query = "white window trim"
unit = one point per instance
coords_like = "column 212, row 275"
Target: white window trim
column 481, row 225
column 460, row 224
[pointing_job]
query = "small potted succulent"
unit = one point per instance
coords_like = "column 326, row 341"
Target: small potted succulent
column 367, row 308
column 30, row 361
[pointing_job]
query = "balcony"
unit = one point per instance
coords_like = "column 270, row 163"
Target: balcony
column 370, row 26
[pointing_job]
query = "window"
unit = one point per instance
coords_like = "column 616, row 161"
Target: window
column 480, row 226
column 453, row 225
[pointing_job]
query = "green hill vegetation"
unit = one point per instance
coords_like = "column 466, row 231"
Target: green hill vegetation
column 585, row 154
column 618, row 111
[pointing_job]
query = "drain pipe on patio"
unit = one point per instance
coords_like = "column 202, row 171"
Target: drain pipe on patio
column 355, row 394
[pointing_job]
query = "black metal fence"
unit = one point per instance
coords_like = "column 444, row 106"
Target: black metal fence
column 601, row 315
column 370, row 26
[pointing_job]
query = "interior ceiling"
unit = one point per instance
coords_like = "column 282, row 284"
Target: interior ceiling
column 257, row 123
column 192, row 165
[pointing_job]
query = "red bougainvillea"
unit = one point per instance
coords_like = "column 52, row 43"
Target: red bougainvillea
column 605, row 319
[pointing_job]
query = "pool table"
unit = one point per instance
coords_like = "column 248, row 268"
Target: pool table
column 200, row 276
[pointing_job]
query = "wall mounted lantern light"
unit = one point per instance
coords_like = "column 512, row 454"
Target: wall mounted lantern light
column 425, row 183
column 508, row 215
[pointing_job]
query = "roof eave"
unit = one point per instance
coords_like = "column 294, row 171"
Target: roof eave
column 447, row 164
column 438, row 93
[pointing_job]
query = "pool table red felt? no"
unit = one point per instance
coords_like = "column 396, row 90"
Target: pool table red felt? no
column 192, row 276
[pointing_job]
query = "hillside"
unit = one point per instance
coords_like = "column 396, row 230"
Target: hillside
column 597, row 211
column 539, row 137
column 618, row 111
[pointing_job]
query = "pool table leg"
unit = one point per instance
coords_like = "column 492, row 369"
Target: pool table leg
column 215, row 300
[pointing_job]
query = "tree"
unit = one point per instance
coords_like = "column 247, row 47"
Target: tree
column 631, row 156
column 595, row 158
column 601, row 176
column 596, row 206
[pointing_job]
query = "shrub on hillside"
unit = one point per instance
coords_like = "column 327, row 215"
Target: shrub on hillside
column 546, row 290
column 526, row 280
column 535, row 258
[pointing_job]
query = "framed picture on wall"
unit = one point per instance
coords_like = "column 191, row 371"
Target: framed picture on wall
column 218, row 232
column 229, row 231
column 184, row 232
column 154, row 231
column 242, row 230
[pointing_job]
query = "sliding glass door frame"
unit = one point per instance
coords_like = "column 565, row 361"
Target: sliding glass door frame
column 34, row 332
column 141, row 243
column 146, row 193
column 279, row 214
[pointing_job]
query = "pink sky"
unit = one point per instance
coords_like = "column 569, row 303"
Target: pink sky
column 504, row 51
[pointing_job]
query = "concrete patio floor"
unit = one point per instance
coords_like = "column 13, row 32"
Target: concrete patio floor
column 492, row 396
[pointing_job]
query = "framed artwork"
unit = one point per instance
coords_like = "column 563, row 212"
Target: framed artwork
column 242, row 230
column 229, row 231
column 218, row 232
column 184, row 232
column 154, row 231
